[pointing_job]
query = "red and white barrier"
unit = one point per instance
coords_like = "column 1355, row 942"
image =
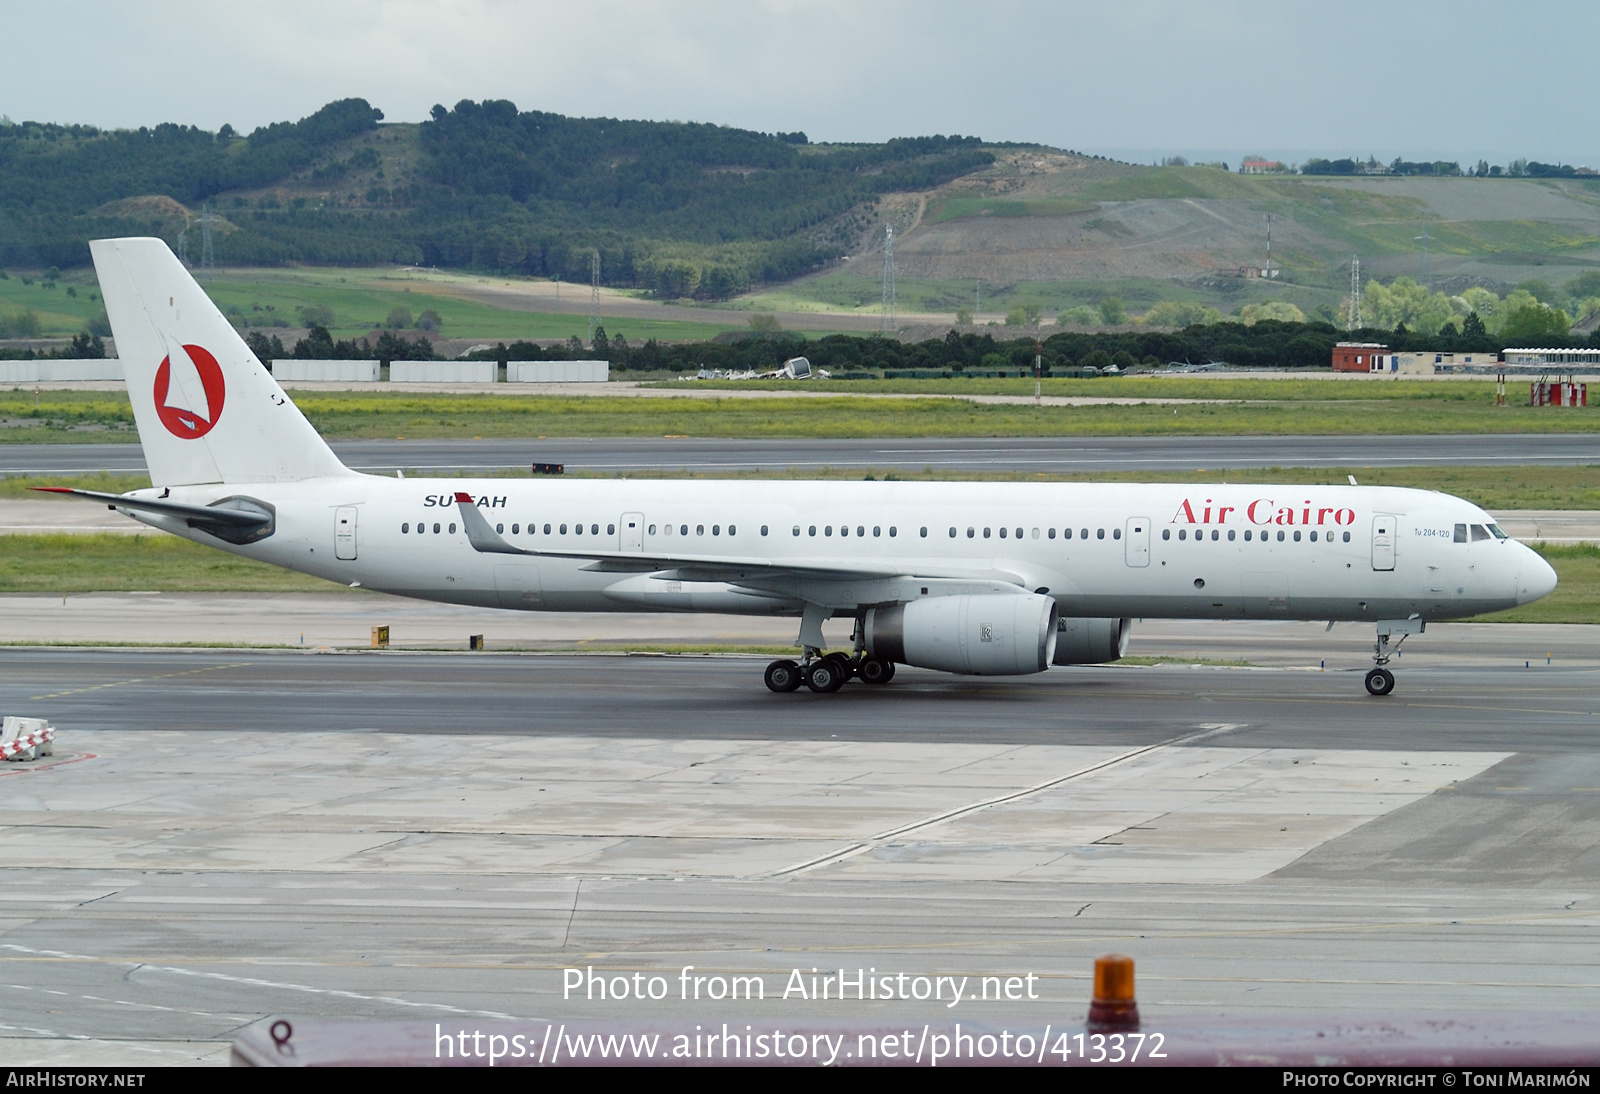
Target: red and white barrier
column 26, row 738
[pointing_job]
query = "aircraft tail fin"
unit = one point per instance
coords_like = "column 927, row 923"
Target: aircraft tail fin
column 207, row 410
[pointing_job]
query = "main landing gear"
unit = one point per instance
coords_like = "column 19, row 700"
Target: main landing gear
column 826, row 674
column 1380, row 681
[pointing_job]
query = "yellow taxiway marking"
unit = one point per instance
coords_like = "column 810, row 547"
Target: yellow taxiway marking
column 135, row 680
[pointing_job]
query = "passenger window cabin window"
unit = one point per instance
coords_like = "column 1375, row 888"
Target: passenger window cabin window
column 844, row 531
column 1100, row 533
column 499, row 529
column 516, row 529
column 1183, row 533
column 1166, row 533
column 1083, row 533
column 797, row 529
column 1019, row 533
column 652, row 529
column 699, row 529
column 828, row 530
column 1297, row 537
column 716, row 529
column 1066, row 533
column 1347, row 537
column 860, row 531
column 1280, row 537
column 577, row 529
column 611, row 529
column 1231, row 534
column 986, row 533
column 952, row 533
column 763, row 530
column 1052, row 533
column 435, row 529
column 1036, row 533
column 1313, row 537
column 594, row 529
column 1002, row 533
column 452, row 528
column 683, row 529
column 1247, row 535
column 1116, row 533
column 406, row 527
column 547, row 529
column 812, row 530
column 971, row 531
column 732, row 530
column 893, row 531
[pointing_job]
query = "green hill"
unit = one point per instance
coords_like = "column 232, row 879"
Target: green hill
column 682, row 209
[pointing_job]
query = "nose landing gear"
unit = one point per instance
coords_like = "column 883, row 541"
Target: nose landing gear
column 1380, row 681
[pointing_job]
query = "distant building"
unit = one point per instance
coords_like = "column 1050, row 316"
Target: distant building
column 1361, row 357
column 1565, row 360
column 1260, row 167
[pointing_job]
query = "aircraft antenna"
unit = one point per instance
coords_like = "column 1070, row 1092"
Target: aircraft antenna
column 207, row 259
column 886, row 321
column 594, row 293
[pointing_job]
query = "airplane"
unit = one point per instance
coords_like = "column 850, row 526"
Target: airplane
column 980, row 578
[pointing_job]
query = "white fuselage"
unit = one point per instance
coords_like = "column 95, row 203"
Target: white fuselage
column 1101, row 550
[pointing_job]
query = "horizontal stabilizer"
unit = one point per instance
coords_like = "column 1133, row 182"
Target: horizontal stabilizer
column 237, row 519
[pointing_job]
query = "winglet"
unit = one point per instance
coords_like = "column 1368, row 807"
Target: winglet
column 484, row 539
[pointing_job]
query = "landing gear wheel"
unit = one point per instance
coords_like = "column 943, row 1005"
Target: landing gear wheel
column 826, row 676
column 874, row 670
column 783, row 676
column 842, row 661
column 1380, row 682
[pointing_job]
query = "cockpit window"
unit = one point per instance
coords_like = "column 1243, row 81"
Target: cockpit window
column 1494, row 530
column 1461, row 533
column 1480, row 532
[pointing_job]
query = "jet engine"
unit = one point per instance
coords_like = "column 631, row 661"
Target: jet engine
column 993, row 635
column 1091, row 641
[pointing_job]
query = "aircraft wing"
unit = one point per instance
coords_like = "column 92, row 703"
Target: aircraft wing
column 734, row 570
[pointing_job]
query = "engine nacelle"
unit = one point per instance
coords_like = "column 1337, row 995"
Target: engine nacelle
column 1091, row 641
column 994, row 635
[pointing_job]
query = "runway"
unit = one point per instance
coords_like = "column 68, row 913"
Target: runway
column 1036, row 454
column 227, row 834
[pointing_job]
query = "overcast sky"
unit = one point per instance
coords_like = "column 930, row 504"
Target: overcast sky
column 1464, row 79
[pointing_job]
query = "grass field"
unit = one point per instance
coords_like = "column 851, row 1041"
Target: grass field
column 1494, row 488
column 1343, row 409
column 67, row 564
column 360, row 299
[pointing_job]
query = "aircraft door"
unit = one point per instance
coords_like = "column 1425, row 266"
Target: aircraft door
column 344, row 532
column 633, row 532
column 1384, row 534
column 1138, row 533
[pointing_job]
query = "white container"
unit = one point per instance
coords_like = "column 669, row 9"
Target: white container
column 443, row 372
column 287, row 368
column 558, row 372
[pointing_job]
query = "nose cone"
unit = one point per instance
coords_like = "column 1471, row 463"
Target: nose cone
column 1538, row 578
